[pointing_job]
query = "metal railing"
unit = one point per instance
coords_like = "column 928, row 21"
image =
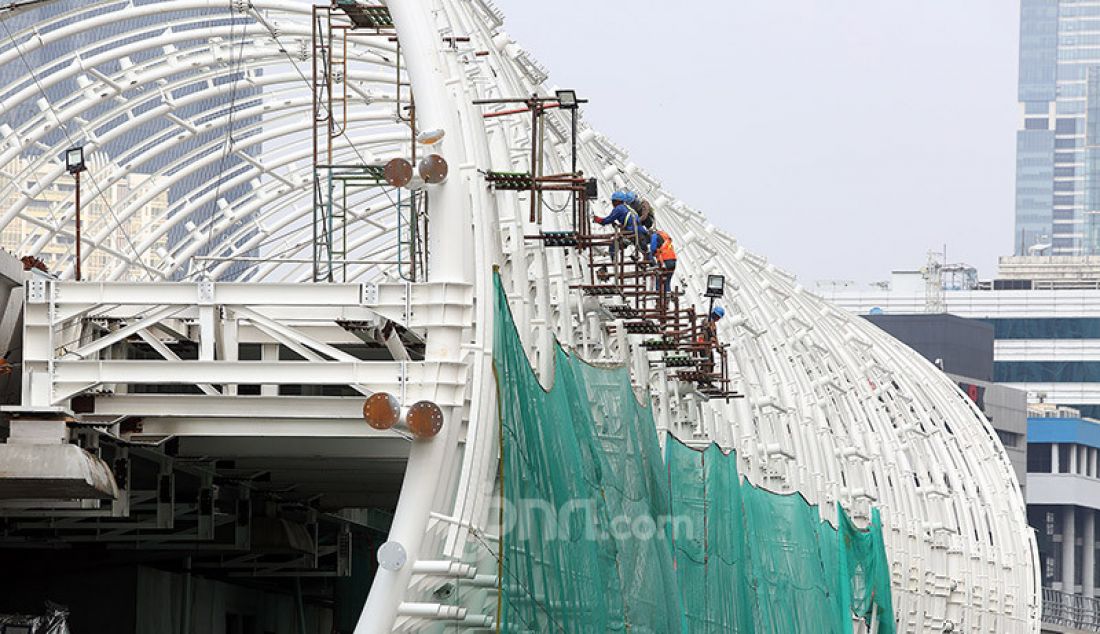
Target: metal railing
column 1071, row 610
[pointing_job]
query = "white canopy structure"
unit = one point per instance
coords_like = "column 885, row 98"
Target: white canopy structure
column 196, row 117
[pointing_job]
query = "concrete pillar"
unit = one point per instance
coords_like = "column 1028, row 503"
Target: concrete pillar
column 1092, row 462
column 1054, row 458
column 1069, row 537
column 1073, row 459
column 1088, row 552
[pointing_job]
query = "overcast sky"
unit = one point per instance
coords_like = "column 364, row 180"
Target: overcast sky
column 840, row 138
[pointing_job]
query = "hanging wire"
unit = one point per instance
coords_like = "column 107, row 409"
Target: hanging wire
column 565, row 207
column 229, row 126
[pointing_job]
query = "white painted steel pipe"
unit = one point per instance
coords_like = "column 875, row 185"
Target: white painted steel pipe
column 449, row 217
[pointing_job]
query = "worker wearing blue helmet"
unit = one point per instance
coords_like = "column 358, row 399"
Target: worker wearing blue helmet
column 710, row 330
column 626, row 219
column 709, row 338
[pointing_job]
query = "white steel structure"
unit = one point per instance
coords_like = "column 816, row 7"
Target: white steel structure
column 834, row 409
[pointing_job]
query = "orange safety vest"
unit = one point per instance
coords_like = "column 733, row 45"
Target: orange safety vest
column 665, row 251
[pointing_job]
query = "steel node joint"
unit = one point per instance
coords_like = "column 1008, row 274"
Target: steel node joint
column 383, row 411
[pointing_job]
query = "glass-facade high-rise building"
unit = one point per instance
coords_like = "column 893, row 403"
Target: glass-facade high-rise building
column 1058, row 147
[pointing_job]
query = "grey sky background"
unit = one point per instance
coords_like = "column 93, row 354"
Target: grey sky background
column 840, row 138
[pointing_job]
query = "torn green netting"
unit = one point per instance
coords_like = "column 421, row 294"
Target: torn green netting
column 600, row 534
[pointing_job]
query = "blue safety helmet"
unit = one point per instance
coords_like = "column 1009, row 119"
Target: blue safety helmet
column 619, row 197
column 631, row 198
column 718, row 312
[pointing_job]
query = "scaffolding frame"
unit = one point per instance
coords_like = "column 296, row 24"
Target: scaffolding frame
column 332, row 181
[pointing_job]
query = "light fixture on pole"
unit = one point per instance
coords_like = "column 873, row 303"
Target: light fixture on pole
column 716, row 286
column 74, row 163
column 567, row 99
column 74, row 160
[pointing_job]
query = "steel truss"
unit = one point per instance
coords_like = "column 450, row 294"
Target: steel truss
column 832, row 408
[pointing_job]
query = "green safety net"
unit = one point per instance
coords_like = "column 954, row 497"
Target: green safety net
column 600, row 533
column 765, row 562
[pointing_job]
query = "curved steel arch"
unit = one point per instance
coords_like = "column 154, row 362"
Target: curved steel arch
column 156, row 73
column 834, row 408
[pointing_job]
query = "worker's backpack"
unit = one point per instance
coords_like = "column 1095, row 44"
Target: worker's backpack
column 645, row 212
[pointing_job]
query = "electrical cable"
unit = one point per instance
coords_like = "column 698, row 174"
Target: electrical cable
column 229, row 125
column 557, row 210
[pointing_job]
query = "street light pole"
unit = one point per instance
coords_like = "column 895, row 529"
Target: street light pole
column 74, row 162
column 78, row 258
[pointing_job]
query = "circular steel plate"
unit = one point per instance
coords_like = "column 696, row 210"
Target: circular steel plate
column 424, row 419
column 398, row 172
column 433, row 168
column 381, row 410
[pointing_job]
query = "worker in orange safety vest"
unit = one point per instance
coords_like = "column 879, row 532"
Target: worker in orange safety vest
column 661, row 250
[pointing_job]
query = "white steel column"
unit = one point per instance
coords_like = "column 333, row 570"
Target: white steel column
column 1069, row 536
column 449, row 246
column 1088, row 552
column 269, row 352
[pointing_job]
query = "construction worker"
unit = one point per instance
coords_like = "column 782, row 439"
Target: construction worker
column 710, row 338
column 626, row 219
column 661, row 250
column 710, row 328
column 641, row 207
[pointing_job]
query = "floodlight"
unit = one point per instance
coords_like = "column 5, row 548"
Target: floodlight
column 74, row 160
column 567, row 99
column 716, row 285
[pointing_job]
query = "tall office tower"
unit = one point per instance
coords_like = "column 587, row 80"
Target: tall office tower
column 144, row 148
column 1058, row 147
